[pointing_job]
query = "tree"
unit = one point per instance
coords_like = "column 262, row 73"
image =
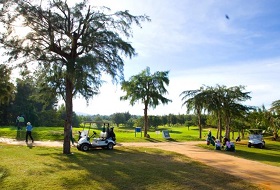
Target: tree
column 118, row 118
column 225, row 104
column 275, row 118
column 213, row 105
column 6, row 86
column 23, row 103
column 7, row 92
column 275, row 106
column 194, row 100
column 232, row 106
column 154, row 121
column 148, row 89
column 74, row 46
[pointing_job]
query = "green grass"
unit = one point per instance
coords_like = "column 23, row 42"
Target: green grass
column 25, row 167
column 123, row 134
column 269, row 155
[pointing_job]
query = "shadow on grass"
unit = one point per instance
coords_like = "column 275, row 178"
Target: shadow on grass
column 121, row 168
column 141, row 168
column 3, row 173
column 171, row 140
column 152, row 140
column 175, row 132
column 268, row 155
column 273, row 158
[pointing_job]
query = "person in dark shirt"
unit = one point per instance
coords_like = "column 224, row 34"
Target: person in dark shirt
column 28, row 132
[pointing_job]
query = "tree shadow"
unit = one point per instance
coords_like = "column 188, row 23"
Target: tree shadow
column 171, row 140
column 152, row 140
column 124, row 167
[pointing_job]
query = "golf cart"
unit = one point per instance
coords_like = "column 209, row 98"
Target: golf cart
column 106, row 140
column 256, row 138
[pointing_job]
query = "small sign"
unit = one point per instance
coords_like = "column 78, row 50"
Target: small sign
column 165, row 134
column 138, row 130
column 157, row 132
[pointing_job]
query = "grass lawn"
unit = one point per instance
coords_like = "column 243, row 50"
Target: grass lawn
column 24, row 167
column 123, row 134
column 269, row 155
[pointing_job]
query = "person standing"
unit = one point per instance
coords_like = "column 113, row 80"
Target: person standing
column 20, row 122
column 28, row 132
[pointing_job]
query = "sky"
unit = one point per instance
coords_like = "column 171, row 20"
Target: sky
column 198, row 45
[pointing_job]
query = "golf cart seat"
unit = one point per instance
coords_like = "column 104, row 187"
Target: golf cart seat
column 84, row 133
column 103, row 135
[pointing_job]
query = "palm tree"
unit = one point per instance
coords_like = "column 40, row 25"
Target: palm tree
column 147, row 88
column 194, row 100
column 275, row 108
column 232, row 106
column 224, row 103
column 214, row 105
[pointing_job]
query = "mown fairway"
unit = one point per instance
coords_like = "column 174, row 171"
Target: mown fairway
column 25, row 167
column 269, row 155
column 123, row 134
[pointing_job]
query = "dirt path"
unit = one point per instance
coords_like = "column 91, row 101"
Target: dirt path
column 264, row 175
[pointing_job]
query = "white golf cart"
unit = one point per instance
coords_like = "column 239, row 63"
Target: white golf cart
column 106, row 140
column 256, row 138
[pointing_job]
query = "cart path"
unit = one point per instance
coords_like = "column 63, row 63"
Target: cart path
column 264, row 175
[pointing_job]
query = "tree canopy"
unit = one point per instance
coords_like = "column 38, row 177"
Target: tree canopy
column 223, row 102
column 148, row 89
column 73, row 46
column 6, row 86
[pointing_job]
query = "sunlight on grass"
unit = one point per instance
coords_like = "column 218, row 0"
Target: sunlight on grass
column 269, row 155
column 122, row 168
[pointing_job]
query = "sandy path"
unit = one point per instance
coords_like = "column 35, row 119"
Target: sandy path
column 255, row 172
column 264, row 175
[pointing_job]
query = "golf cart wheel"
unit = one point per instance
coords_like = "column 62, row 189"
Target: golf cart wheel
column 110, row 146
column 261, row 146
column 85, row 147
column 249, row 145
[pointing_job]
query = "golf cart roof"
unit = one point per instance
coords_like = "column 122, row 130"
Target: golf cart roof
column 101, row 122
column 95, row 122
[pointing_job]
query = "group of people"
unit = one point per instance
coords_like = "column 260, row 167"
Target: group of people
column 227, row 144
column 20, row 121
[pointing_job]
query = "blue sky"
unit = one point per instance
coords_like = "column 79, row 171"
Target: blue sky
column 198, row 45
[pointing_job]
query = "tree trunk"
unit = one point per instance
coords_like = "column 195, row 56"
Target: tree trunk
column 68, row 120
column 69, row 105
column 227, row 127
column 243, row 133
column 220, row 127
column 145, row 120
column 199, row 124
